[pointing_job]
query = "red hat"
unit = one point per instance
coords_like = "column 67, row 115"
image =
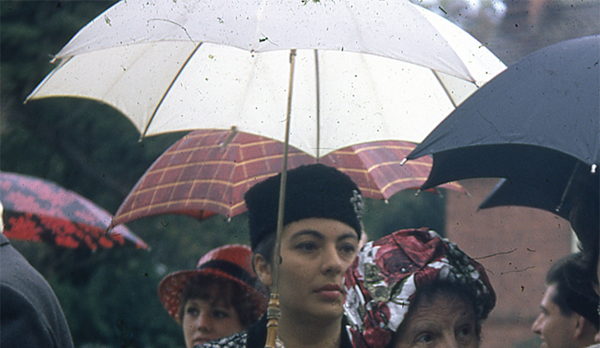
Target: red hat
column 230, row 262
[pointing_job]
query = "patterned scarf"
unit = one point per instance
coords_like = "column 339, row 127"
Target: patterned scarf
column 387, row 273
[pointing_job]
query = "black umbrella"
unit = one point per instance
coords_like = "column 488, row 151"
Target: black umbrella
column 535, row 124
column 508, row 193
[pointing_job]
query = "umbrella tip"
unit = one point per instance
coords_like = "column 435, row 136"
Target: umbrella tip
column 230, row 137
column 403, row 161
column 418, row 192
column 594, row 166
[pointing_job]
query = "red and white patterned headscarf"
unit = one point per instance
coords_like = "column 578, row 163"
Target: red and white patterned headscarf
column 387, row 273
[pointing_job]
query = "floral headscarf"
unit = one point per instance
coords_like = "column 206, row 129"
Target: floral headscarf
column 387, row 273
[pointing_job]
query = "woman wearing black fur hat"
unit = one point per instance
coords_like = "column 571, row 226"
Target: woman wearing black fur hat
column 318, row 243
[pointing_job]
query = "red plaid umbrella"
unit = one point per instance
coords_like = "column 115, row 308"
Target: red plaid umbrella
column 39, row 210
column 208, row 171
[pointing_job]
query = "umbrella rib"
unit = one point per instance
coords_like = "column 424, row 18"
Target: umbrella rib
column 437, row 76
column 135, row 211
column 369, row 169
column 567, row 187
column 225, row 182
column 217, row 161
column 162, row 175
column 162, row 98
column 367, row 147
column 47, row 78
column 209, row 147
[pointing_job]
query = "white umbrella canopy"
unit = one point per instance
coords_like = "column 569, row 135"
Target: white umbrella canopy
column 188, row 64
column 321, row 74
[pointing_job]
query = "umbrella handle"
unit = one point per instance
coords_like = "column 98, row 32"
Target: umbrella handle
column 273, row 314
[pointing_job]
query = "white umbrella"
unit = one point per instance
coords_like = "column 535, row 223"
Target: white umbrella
column 187, row 64
column 356, row 71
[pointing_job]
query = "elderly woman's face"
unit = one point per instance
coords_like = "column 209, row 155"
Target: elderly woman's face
column 440, row 321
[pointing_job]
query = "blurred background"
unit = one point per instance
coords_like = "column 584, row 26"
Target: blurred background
column 110, row 296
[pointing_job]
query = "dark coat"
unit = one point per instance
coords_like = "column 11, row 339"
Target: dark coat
column 30, row 313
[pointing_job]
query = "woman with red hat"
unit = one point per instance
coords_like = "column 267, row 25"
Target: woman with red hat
column 222, row 296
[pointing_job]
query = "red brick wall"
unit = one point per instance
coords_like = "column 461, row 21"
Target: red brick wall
column 517, row 246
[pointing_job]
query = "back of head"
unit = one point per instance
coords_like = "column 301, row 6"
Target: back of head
column 312, row 191
column 574, row 289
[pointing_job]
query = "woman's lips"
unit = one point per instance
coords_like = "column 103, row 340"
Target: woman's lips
column 200, row 340
column 330, row 291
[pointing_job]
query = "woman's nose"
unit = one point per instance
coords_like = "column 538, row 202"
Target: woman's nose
column 332, row 262
column 205, row 322
column 536, row 325
column 450, row 342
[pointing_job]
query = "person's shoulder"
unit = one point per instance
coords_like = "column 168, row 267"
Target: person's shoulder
column 237, row 340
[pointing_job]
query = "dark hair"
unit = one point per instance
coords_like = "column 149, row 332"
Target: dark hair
column 266, row 247
column 574, row 289
column 312, row 191
column 427, row 292
column 199, row 287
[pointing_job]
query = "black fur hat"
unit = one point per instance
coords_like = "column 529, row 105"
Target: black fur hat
column 312, row 191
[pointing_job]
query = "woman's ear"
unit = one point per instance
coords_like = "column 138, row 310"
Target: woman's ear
column 263, row 269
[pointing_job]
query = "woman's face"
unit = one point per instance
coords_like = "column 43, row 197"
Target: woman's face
column 440, row 321
column 209, row 319
column 315, row 253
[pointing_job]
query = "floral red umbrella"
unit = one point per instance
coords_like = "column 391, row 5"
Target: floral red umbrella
column 39, row 210
column 208, row 171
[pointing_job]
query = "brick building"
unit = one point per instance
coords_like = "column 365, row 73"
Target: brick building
column 517, row 245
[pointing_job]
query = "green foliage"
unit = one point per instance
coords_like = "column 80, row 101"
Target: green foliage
column 405, row 209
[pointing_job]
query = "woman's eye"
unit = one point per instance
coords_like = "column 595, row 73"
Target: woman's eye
column 220, row 314
column 307, row 246
column 425, row 338
column 192, row 311
column 348, row 248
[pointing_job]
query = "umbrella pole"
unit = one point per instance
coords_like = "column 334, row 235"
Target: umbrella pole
column 273, row 311
column 318, row 102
